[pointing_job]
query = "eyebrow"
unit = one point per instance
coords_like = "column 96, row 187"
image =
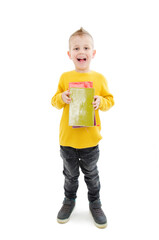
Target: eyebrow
column 85, row 45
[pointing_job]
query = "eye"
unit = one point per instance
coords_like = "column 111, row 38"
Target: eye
column 86, row 48
column 76, row 48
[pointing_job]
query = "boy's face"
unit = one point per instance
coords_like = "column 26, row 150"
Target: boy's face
column 81, row 52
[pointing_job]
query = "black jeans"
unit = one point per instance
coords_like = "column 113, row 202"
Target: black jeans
column 86, row 159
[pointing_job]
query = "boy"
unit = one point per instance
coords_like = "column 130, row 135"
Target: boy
column 79, row 146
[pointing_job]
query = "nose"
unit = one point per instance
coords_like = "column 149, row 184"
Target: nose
column 82, row 50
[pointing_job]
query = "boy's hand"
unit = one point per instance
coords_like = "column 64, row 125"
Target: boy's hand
column 65, row 97
column 96, row 102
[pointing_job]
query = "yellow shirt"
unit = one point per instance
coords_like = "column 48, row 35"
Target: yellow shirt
column 87, row 136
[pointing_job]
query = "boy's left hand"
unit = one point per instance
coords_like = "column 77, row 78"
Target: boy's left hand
column 96, row 102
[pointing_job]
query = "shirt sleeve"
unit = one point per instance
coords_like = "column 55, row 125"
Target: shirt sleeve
column 106, row 98
column 56, row 100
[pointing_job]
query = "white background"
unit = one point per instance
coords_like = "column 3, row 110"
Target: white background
column 33, row 55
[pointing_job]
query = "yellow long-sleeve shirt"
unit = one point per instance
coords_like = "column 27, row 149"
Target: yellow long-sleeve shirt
column 87, row 136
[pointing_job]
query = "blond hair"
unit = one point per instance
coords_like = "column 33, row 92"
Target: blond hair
column 80, row 32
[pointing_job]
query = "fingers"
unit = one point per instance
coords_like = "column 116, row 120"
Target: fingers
column 68, row 100
column 96, row 102
column 67, row 92
column 96, row 97
column 65, row 97
column 96, row 106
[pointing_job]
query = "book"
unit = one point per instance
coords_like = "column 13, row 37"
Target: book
column 81, row 84
column 81, row 110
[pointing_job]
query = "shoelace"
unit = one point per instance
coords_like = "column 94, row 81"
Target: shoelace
column 66, row 207
column 99, row 211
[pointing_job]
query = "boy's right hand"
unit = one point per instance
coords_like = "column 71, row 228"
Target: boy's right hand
column 65, row 97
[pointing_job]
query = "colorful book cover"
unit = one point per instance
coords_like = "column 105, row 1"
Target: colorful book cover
column 81, row 84
column 81, row 110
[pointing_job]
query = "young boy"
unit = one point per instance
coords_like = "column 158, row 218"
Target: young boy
column 79, row 146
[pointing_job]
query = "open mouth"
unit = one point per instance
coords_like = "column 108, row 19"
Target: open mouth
column 81, row 59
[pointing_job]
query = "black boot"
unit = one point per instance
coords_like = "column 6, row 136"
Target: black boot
column 66, row 210
column 98, row 214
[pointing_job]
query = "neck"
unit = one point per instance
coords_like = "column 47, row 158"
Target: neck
column 82, row 71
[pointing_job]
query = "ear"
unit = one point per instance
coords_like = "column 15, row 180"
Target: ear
column 94, row 53
column 68, row 53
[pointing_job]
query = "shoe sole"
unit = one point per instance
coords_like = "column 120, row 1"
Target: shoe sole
column 104, row 225
column 62, row 221
column 100, row 225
